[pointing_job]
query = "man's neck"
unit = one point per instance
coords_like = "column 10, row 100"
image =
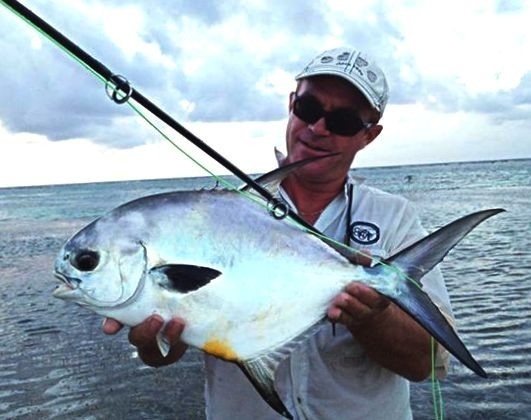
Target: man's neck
column 311, row 198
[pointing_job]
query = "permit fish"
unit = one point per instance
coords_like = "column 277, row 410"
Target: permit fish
column 234, row 274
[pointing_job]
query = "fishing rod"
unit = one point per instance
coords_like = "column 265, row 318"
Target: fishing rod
column 120, row 91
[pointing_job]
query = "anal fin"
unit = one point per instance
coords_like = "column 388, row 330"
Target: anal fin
column 261, row 370
column 261, row 373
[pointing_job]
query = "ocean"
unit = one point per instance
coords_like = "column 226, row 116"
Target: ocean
column 56, row 363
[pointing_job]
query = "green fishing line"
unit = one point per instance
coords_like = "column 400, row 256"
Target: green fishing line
column 436, row 392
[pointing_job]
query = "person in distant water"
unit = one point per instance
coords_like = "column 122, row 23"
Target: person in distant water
column 363, row 370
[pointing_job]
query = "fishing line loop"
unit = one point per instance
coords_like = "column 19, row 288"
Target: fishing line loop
column 118, row 89
column 278, row 209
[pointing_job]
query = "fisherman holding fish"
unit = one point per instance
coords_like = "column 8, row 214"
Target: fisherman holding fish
column 360, row 369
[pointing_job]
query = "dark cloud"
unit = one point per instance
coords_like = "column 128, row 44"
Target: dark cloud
column 509, row 105
column 36, row 83
column 379, row 38
column 43, row 91
column 52, row 95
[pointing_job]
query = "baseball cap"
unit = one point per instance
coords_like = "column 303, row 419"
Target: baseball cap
column 355, row 67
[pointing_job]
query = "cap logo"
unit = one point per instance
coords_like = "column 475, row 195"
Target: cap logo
column 356, row 68
column 360, row 62
column 343, row 57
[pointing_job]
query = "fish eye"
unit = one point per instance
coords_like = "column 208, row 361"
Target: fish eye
column 86, row 260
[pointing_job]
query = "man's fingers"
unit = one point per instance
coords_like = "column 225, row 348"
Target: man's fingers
column 173, row 330
column 356, row 304
column 144, row 334
column 111, row 326
column 144, row 338
column 367, row 295
column 351, row 305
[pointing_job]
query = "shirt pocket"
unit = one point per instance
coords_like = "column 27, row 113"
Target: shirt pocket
column 341, row 350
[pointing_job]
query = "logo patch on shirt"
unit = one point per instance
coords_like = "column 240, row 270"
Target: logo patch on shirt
column 364, row 233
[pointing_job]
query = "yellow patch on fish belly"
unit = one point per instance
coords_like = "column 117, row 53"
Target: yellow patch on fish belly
column 221, row 349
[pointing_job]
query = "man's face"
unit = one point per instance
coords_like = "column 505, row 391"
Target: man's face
column 306, row 140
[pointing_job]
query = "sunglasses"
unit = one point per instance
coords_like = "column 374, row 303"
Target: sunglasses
column 342, row 121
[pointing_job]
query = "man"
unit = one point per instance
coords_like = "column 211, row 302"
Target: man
column 361, row 370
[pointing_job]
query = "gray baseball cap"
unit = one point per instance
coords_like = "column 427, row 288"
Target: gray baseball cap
column 355, row 67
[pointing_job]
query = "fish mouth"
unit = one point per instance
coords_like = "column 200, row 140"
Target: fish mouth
column 67, row 284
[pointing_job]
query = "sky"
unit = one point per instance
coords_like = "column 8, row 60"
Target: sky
column 459, row 75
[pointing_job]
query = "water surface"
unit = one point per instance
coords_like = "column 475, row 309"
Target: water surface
column 56, row 363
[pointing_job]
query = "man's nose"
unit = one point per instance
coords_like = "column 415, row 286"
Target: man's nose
column 319, row 127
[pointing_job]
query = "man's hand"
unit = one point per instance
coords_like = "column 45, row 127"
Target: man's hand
column 357, row 304
column 143, row 337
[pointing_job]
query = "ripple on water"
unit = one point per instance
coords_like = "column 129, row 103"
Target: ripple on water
column 56, row 363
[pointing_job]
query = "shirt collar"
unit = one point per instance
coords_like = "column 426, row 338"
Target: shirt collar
column 334, row 209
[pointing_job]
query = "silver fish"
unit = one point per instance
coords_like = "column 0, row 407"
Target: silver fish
column 235, row 275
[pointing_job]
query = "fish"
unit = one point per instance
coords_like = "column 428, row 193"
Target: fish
column 234, row 274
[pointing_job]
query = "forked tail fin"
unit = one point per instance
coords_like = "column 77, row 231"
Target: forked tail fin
column 417, row 260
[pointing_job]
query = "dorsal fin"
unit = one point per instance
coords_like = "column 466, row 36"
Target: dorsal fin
column 272, row 179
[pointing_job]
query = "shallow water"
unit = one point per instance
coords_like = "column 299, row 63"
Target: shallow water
column 56, row 363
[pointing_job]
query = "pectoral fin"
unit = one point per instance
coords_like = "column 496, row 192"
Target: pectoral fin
column 163, row 344
column 183, row 278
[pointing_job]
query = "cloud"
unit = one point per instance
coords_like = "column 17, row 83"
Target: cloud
column 235, row 60
column 209, row 61
column 522, row 93
column 509, row 6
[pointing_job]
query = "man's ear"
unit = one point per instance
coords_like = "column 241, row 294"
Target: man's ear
column 372, row 132
column 291, row 99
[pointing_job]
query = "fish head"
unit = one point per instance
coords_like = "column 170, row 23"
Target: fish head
column 103, row 266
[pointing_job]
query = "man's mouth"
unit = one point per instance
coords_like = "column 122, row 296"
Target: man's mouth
column 313, row 146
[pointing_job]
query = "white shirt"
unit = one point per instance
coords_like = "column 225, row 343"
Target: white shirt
column 332, row 377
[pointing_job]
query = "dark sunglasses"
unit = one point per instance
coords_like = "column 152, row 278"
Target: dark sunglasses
column 342, row 121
